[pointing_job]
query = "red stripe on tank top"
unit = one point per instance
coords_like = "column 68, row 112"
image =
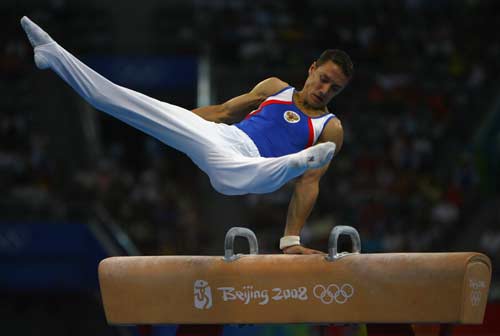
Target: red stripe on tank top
column 268, row 102
column 311, row 133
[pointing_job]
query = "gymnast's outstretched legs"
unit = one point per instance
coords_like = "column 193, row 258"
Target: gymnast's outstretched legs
column 230, row 172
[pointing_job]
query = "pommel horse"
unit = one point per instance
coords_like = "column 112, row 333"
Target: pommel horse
column 340, row 288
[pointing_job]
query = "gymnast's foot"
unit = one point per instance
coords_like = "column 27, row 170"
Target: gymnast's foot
column 37, row 37
column 317, row 156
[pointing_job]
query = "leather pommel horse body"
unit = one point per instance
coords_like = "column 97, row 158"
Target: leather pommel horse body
column 340, row 288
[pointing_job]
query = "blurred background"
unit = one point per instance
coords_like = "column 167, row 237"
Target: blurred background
column 419, row 169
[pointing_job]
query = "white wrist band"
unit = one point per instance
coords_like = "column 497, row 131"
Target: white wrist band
column 287, row 241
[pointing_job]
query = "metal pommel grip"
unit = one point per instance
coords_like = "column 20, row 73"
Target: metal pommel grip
column 333, row 253
column 229, row 242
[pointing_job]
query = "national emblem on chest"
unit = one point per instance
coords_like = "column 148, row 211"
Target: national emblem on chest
column 291, row 117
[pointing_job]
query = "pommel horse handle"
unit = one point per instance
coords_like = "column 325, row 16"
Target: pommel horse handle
column 229, row 242
column 333, row 253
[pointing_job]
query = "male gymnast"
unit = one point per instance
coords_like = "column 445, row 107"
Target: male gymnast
column 284, row 134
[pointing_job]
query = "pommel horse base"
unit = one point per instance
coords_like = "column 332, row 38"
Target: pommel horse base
column 450, row 288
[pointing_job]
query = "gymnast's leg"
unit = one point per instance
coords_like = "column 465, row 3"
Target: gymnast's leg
column 246, row 172
column 173, row 125
column 239, row 175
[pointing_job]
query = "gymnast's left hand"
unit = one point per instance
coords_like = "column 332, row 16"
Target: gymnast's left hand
column 299, row 249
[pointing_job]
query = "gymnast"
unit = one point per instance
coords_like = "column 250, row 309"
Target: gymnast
column 253, row 143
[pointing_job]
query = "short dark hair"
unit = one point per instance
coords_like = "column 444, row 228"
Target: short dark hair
column 338, row 57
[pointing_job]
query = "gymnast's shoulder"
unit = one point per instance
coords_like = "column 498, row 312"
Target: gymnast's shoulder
column 269, row 87
column 333, row 132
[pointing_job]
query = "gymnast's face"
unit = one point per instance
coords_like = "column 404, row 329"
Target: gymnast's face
column 323, row 83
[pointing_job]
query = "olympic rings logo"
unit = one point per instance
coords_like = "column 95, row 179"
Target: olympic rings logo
column 475, row 298
column 333, row 293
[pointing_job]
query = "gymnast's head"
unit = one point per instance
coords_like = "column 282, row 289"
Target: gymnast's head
column 327, row 77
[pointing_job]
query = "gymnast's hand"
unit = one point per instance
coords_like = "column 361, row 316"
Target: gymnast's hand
column 299, row 249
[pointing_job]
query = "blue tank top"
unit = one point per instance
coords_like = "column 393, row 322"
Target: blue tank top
column 278, row 127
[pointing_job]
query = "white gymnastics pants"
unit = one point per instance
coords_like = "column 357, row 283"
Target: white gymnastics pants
column 225, row 153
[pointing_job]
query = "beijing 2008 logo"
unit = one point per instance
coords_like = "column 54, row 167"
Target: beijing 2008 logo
column 333, row 292
column 202, row 295
column 475, row 295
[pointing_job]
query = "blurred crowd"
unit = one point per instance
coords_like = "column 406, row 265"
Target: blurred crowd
column 407, row 177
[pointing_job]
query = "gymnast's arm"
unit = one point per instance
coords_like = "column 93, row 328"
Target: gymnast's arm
column 307, row 189
column 235, row 109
